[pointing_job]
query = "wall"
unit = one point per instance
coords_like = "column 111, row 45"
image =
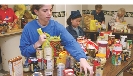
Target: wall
column 70, row 8
column 129, row 8
column 67, row 8
column 58, row 8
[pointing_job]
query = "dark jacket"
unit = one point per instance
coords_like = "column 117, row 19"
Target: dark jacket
column 74, row 33
column 100, row 17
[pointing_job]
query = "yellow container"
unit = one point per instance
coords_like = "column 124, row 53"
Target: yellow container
column 94, row 25
column 62, row 57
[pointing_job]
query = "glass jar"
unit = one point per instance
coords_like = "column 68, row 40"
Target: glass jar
column 91, row 52
column 26, row 68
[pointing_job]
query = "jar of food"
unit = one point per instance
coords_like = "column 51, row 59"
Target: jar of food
column 102, row 47
column 26, row 68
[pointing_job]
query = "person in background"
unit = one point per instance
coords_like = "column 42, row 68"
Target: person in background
column 99, row 16
column 73, row 23
column 30, row 39
column 7, row 14
column 117, row 17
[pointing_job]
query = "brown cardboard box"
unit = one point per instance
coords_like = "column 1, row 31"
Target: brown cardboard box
column 87, row 18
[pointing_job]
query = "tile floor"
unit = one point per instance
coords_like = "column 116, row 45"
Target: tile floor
column 2, row 72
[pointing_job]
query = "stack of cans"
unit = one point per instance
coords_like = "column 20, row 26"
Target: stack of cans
column 60, row 69
column 48, row 61
column 39, row 55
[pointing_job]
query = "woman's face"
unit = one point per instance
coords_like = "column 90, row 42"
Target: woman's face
column 121, row 15
column 4, row 6
column 76, row 22
column 98, row 10
column 44, row 13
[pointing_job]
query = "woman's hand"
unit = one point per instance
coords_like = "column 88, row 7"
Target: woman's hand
column 103, row 22
column 0, row 21
column 84, row 65
column 42, row 38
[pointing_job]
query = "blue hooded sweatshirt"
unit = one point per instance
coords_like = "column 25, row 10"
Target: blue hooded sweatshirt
column 30, row 36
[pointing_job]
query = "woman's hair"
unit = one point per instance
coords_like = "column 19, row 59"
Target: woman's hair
column 35, row 7
column 121, row 11
column 0, row 6
column 74, row 15
column 98, row 6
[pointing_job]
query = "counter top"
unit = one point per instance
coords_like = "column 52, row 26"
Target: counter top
column 115, row 70
column 12, row 32
column 109, row 68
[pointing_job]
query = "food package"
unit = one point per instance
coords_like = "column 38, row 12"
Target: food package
column 94, row 25
column 87, row 18
column 62, row 57
column 16, row 66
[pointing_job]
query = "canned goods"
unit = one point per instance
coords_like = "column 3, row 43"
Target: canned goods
column 68, row 62
column 91, row 52
column 48, row 53
column 49, row 64
column 48, row 72
column 29, row 59
column 40, row 63
column 26, row 68
column 42, row 66
column 39, row 53
column 72, row 62
column 60, row 68
column 99, row 70
column 123, row 42
column 129, row 44
column 126, row 55
column 37, row 74
column 116, row 59
column 111, row 40
column 102, row 47
column 33, row 64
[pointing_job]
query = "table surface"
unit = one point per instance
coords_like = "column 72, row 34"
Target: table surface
column 131, row 33
column 109, row 68
column 113, row 70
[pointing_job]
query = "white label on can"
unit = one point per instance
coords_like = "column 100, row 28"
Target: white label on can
column 106, row 36
column 48, row 53
column 50, row 64
column 102, row 50
column 60, row 68
column 48, row 72
column 39, row 53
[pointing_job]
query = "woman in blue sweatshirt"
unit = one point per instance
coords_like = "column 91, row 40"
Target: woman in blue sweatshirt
column 31, row 40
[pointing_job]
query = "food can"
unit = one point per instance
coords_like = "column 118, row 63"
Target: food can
column 48, row 53
column 72, row 62
column 99, row 71
column 40, row 63
column 60, row 68
column 49, row 64
column 39, row 53
column 34, row 63
column 129, row 44
column 37, row 74
column 48, row 72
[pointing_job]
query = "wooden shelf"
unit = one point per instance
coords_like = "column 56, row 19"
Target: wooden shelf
column 11, row 33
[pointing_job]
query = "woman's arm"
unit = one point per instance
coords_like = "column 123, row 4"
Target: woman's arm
column 26, row 47
column 70, row 44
